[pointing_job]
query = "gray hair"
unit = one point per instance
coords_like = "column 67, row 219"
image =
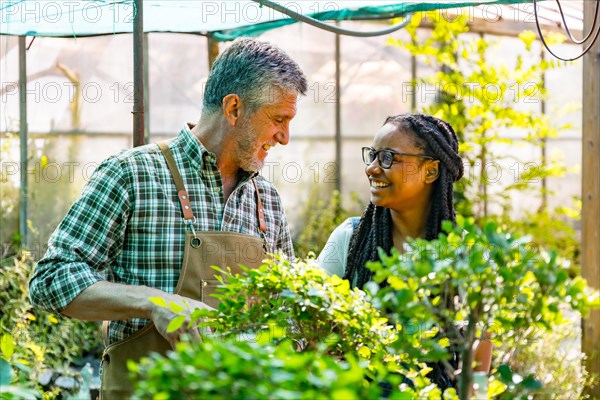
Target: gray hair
column 251, row 69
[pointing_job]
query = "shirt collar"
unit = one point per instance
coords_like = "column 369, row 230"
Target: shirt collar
column 193, row 149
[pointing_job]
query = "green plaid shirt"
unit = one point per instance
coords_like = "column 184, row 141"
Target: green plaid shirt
column 127, row 226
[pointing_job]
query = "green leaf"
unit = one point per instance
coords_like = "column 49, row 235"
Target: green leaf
column 405, row 394
column 176, row 323
column 343, row 394
column 176, row 308
column 495, row 388
column 6, row 373
column 364, row 352
column 505, row 373
column 159, row 301
column 19, row 393
column 532, row 384
column 132, row 366
column 7, row 346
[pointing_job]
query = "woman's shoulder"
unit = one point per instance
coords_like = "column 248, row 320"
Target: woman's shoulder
column 334, row 253
column 343, row 232
column 347, row 227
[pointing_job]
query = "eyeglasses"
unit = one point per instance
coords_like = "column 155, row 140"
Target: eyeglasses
column 385, row 157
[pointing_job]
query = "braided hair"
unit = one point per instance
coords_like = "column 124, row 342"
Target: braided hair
column 434, row 138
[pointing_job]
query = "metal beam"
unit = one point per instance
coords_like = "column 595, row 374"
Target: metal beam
column 138, row 74
column 338, row 117
column 23, row 201
column 146, row 92
column 590, row 193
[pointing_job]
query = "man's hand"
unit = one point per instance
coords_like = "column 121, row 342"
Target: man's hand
column 163, row 315
column 113, row 301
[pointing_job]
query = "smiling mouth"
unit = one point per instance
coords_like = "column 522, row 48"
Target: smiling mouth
column 379, row 185
column 266, row 147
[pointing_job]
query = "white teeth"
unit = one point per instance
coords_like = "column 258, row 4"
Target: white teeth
column 379, row 184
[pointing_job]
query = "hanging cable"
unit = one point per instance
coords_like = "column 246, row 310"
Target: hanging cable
column 562, row 15
column 330, row 28
column 595, row 30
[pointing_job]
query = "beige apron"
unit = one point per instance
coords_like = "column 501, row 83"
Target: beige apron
column 196, row 281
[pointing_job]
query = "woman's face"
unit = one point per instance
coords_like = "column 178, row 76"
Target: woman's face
column 407, row 184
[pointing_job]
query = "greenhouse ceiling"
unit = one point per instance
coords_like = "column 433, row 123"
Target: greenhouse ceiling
column 223, row 20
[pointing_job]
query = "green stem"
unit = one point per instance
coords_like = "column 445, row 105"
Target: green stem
column 466, row 375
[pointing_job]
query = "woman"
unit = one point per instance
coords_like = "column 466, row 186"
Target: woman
column 411, row 166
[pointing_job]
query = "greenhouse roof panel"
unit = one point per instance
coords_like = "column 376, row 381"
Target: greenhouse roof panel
column 228, row 19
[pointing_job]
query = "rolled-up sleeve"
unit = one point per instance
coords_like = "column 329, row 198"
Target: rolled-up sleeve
column 86, row 242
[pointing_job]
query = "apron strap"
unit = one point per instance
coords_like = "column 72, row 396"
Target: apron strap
column 260, row 210
column 184, row 198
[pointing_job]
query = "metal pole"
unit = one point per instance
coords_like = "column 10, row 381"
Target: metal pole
column 138, row 74
column 23, row 212
column 338, row 118
column 146, row 92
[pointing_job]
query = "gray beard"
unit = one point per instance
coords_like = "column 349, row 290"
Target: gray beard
column 247, row 152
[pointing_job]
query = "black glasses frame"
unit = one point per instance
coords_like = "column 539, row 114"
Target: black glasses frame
column 385, row 157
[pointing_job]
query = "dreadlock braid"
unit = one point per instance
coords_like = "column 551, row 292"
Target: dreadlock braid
column 374, row 230
column 437, row 139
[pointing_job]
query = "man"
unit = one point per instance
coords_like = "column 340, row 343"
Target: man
column 152, row 220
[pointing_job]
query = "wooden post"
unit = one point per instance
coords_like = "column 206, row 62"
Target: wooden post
column 590, row 193
column 213, row 51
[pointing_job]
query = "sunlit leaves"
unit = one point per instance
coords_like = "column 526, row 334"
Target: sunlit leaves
column 488, row 103
column 176, row 323
column 240, row 369
column 486, row 279
column 7, row 346
column 159, row 301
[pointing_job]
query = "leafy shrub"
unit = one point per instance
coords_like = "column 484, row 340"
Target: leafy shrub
column 224, row 369
column 40, row 340
column 487, row 280
column 312, row 307
column 338, row 338
column 453, row 289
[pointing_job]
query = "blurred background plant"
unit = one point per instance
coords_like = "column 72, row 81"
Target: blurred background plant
column 51, row 188
column 221, row 369
column 481, row 101
column 554, row 357
column 484, row 101
column 322, row 217
column 36, row 342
